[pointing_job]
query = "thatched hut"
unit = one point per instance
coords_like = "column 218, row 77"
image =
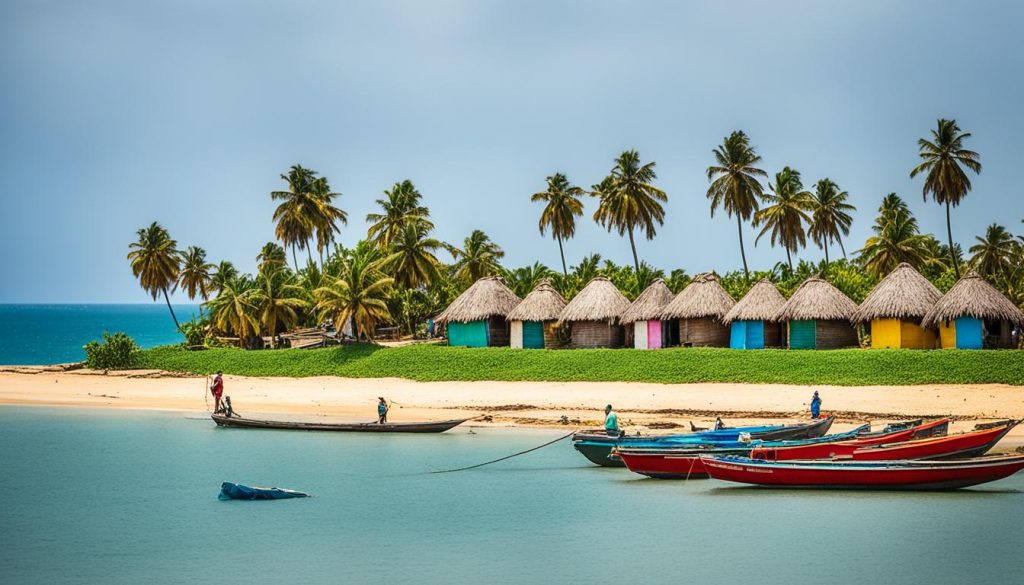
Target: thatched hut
column 535, row 321
column 896, row 307
column 973, row 315
column 819, row 316
column 644, row 314
column 751, row 321
column 700, row 309
column 593, row 315
column 477, row 317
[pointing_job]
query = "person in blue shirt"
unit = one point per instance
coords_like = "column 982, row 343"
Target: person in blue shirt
column 719, row 425
column 382, row 410
column 611, row 422
column 815, row 405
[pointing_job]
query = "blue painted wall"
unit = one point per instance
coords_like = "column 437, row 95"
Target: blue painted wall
column 969, row 333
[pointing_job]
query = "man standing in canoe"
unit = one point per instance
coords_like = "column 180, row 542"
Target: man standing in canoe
column 217, row 389
column 815, row 405
column 611, row 422
column 382, row 410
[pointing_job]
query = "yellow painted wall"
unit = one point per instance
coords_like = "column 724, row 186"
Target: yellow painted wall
column 885, row 334
column 947, row 334
column 913, row 336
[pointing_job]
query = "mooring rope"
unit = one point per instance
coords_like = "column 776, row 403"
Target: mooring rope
column 507, row 456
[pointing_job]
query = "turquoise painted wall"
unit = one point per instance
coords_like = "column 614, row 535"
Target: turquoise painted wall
column 969, row 333
column 738, row 335
column 755, row 334
column 802, row 335
column 533, row 335
column 472, row 334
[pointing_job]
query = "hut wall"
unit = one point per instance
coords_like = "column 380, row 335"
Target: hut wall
column 773, row 334
column 834, row 335
column 1005, row 336
column 596, row 334
column 499, row 332
column 516, row 341
column 704, row 332
column 640, row 335
column 552, row 340
column 472, row 334
column 654, row 339
column 947, row 334
column 969, row 333
column 747, row 335
column 899, row 333
column 533, row 335
column 913, row 336
column 802, row 335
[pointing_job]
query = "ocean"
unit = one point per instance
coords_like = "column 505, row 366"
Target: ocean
column 103, row 496
column 51, row 334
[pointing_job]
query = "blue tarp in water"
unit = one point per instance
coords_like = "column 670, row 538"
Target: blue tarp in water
column 234, row 491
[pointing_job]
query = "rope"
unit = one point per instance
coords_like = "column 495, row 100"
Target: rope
column 507, row 456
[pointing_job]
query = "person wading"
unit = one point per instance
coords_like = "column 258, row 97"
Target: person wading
column 217, row 389
column 611, row 422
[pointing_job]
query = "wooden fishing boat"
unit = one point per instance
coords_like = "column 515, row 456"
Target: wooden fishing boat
column 398, row 427
column 900, row 432
column 885, row 475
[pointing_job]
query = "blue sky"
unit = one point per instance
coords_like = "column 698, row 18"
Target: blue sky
column 115, row 114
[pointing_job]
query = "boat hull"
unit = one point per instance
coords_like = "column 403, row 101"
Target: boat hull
column 415, row 427
column 235, row 491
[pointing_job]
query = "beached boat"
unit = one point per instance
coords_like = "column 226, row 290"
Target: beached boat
column 917, row 429
column 399, row 427
column 887, row 475
column 237, row 491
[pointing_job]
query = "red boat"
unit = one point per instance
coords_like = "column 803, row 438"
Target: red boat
column 936, row 428
column 889, row 475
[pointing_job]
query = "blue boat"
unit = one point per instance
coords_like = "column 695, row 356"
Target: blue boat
column 236, row 491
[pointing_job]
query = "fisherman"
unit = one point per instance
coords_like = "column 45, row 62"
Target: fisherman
column 382, row 410
column 719, row 425
column 815, row 405
column 217, row 389
column 611, row 422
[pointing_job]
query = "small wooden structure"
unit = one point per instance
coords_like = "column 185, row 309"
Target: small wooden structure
column 593, row 315
column 477, row 317
column 700, row 309
column 752, row 320
column 535, row 320
column 819, row 316
column 974, row 315
column 644, row 315
column 895, row 308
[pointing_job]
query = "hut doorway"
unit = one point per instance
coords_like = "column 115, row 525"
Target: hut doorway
column 802, row 335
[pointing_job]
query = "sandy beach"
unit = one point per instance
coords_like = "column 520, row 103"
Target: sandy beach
column 644, row 407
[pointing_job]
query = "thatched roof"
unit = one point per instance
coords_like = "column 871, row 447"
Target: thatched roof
column 816, row 299
column 761, row 303
column 703, row 297
column 598, row 301
column 544, row 303
column 974, row 297
column 488, row 297
column 649, row 304
column 903, row 294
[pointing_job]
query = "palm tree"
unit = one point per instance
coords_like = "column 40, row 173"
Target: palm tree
column 224, row 273
column 327, row 216
column 298, row 212
column 896, row 239
column 629, row 201
column 477, row 258
column 400, row 207
column 944, row 160
column 271, row 256
column 277, row 299
column 830, row 215
column 359, row 295
column 194, row 277
column 786, row 215
column 994, row 255
column 562, row 205
column 525, row 279
column 156, row 263
column 734, row 183
column 232, row 310
column 412, row 259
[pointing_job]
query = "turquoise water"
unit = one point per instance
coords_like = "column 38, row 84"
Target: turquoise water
column 50, row 334
column 129, row 497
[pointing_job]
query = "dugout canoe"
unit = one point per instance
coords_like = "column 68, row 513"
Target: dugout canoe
column 399, row 427
column 879, row 475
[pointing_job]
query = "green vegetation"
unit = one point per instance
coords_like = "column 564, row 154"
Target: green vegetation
column 440, row 363
column 117, row 352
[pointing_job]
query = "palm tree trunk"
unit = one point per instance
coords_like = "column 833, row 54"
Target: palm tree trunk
column 743, row 254
column 952, row 252
column 355, row 327
column 321, row 251
column 824, row 242
column 309, row 252
column 562, row 252
column 632, row 244
column 295, row 260
column 840, row 240
column 171, row 309
column 789, row 259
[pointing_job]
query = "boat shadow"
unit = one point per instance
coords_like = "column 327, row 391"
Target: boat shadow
column 747, row 490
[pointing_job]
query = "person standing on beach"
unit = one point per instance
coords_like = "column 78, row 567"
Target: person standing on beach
column 217, row 389
column 815, row 405
column 611, row 421
column 382, row 410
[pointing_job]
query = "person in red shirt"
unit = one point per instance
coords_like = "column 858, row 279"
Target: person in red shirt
column 217, row 389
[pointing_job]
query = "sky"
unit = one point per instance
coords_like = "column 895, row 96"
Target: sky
column 115, row 114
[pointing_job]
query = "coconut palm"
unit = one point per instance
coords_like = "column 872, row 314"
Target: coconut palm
column 277, row 300
column 224, row 273
column 297, row 214
column 629, row 201
column 830, row 215
column 156, row 263
column 896, row 239
column 194, row 277
column 326, row 216
column 563, row 204
column 232, row 310
column 787, row 213
column 412, row 258
column 944, row 160
column 477, row 258
column 359, row 295
column 993, row 256
column 271, row 256
column 525, row 279
column 400, row 206
column 734, row 183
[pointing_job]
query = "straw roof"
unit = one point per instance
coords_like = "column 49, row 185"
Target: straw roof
column 816, row 299
column 487, row 297
column 598, row 301
column 649, row 304
column 974, row 297
column 761, row 303
column 703, row 297
column 903, row 294
column 542, row 304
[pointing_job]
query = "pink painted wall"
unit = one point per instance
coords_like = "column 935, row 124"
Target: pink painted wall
column 654, row 334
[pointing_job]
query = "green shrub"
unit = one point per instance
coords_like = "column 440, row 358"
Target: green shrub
column 195, row 333
column 117, row 352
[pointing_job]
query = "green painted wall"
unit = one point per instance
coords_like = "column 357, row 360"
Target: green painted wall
column 472, row 334
column 533, row 335
column 802, row 335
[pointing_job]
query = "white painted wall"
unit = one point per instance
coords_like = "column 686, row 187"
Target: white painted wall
column 640, row 335
column 517, row 335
